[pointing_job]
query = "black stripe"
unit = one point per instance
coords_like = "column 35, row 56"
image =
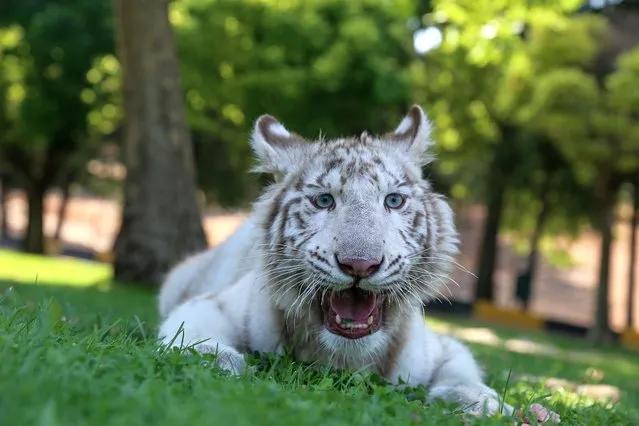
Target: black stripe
column 285, row 217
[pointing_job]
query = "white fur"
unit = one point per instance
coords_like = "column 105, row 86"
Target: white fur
column 224, row 301
column 273, row 159
column 404, row 125
column 428, row 358
column 211, row 269
column 279, row 130
column 418, row 146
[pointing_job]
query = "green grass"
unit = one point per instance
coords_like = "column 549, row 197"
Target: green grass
column 83, row 354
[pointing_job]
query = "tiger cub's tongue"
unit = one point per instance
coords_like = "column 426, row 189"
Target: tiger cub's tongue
column 353, row 304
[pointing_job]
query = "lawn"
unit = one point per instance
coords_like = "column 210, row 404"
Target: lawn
column 78, row 350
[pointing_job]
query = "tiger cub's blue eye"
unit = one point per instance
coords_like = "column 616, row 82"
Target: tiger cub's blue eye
column 394, row 201
column 323, row 201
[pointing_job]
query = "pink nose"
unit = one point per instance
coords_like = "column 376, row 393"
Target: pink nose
column 360, row 268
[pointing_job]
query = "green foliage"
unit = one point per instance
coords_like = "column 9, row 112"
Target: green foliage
column 488, row 74
column 591, row 121
column 479, row 86
column 45, row 55
column 463, row 82
column 333, row 66
column 103, row 96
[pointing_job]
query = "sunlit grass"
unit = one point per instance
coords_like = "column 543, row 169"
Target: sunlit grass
column 32, row 269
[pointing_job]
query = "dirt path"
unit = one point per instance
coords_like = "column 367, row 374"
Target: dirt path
column 566, row 294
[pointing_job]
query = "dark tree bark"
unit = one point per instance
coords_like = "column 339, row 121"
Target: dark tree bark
column 64, row 203
column 489, row 246
column 4, row 197
column 501, row 165
column 632, row 268
column 542, row 217
column 607, row 195
column 34, row 238
column 161, row 221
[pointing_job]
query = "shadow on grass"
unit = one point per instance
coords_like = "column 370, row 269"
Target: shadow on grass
column 102, row 301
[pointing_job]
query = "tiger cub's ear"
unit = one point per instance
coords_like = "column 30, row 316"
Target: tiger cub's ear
column 277, row 150
column 413, row 134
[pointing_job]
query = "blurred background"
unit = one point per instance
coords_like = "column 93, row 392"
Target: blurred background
column 124, row 130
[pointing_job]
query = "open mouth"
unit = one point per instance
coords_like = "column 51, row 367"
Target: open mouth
column 352, row 313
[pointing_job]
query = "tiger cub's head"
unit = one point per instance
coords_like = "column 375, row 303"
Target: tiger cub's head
column 354, row 235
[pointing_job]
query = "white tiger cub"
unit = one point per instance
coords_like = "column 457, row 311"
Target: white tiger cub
column 333, row 264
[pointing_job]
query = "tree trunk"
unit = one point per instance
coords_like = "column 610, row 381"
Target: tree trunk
column 632, row 268
column 34, row 238
column 533, row 256
column 4, row 197
column 497, row 183
column 161, row 221
column 62, row 211
column 489, row 246
column 601, row 332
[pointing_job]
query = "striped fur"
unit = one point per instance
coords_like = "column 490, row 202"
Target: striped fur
column 262, row 289
column 299, row 242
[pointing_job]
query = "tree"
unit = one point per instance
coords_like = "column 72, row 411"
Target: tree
column 46, row 51
column 4, row 221
column 591, row 119
column 625, row 25
column 633, row 285
column 161, row 222
column 457, row 91
column 544, row 197
column 462, row 80
column 4, row 176
column 65, row 185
